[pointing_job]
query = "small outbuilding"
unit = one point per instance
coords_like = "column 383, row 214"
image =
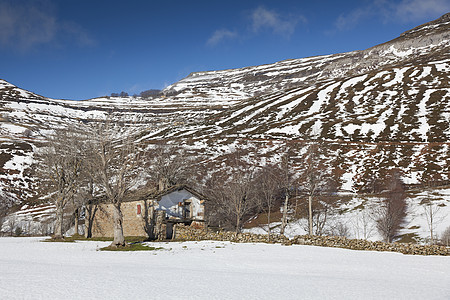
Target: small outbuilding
column 151, row 214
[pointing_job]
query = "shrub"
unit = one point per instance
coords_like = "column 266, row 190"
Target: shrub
column 18, row 231
column 445, row 238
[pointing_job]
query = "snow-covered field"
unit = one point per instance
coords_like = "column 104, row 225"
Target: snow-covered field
column 30, row 269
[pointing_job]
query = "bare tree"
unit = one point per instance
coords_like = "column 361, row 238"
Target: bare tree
column 169, row 165
column 267, row 183
column 116, row 160
column 338, row 228
column 321, row 211
column 60, row 164
column 3, row 212
column 390, row 214
column 232, row 194
column 12, row 224
column 445, row 237
column 87, row 196
column 432, row 211
column 363, row 225
column 315, row 180
column 432, row 214
column 150, row 93
column 287, row 177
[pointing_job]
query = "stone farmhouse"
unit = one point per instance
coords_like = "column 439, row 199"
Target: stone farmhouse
column 151, row 214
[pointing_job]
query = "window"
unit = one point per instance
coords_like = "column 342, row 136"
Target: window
column 138, row 209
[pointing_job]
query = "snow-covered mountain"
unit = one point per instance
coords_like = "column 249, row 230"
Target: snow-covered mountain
column 224, row 86
column 380, row 108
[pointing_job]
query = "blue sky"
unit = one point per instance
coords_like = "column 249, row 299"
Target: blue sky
column 80, row 49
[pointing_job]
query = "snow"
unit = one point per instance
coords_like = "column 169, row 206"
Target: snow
column 399, row 73
column 170, row 203
column 443, row 67
column 423, row 115
column 290, row 105
column 347, row 178
column 426, row 71
column 398, row 52
column 290, row 129
column 215, row 270
column 323, row 97
column 351, row 82
column 11, row 128
column 350, row 128
column 18, row 162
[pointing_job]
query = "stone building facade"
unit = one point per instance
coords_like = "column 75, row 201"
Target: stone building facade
column 150, row 214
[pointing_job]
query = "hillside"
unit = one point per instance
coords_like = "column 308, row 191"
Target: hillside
column 413, row 46
column 372, row 110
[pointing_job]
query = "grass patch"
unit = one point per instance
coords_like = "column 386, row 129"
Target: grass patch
column 134, row 243
column 409, row 238
column 71, row 239
column 132, row 247
column 68, row 239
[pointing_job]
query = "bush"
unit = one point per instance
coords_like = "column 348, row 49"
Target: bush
column 445, row 238
column 27, row 133
column 18, row 231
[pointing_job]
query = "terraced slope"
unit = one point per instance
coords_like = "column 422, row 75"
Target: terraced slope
column 27, row 120
column 381, row 108
column 413, row 46
column 407, row 103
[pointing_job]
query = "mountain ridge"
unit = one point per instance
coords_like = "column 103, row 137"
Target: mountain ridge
column 355, row 98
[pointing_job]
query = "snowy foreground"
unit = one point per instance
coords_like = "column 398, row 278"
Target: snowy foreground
column 30, row 269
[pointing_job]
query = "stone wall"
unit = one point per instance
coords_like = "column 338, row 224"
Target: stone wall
column 187, row 233
column 134, row 224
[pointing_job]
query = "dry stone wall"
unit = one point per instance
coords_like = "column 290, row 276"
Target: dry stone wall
column 187, row 233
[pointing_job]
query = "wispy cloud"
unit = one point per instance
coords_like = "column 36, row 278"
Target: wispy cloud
column 77, row 34
column 351, row 19
column 262, row 18
column 257, row 21
column 394, row 11
column 417, row 10
column 221, row 35
column 24, row 25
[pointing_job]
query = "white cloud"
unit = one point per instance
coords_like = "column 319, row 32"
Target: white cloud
column 260, row 19
column 394, row 11
column 31, row 23
column 77, row 34
column 263, row 18
column 350, row 20
column 418, row 10
column 220, row 35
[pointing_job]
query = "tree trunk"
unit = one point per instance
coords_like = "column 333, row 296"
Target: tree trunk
column 431, row 229
column 310, row 215
column 238, row 225
column 58, row 232
column 284, row 218
column 76, row 221
column 89, row 220
column 119, row 239
column 268, row 224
